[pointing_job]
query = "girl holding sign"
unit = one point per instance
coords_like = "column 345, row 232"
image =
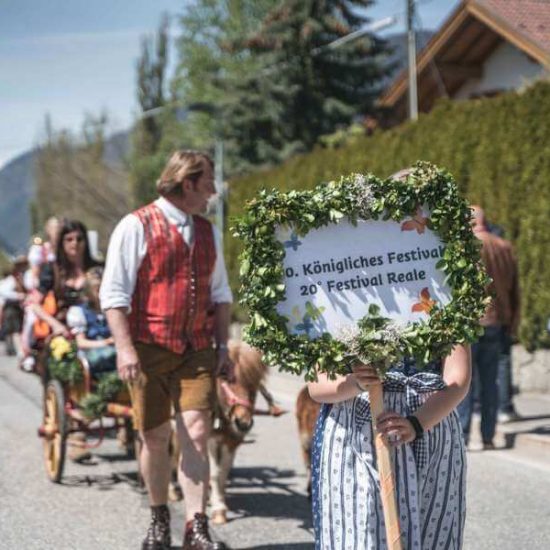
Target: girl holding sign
column 388, row 465
column 424, row 431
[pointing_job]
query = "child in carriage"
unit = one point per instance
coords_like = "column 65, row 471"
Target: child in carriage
column 88, row 324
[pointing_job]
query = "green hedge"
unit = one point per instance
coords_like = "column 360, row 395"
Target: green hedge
column 499, row 152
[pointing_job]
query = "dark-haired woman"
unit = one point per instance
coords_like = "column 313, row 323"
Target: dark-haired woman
column 66, row 276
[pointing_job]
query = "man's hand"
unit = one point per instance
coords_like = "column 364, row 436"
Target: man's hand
column 127, row 362
column 225, row 367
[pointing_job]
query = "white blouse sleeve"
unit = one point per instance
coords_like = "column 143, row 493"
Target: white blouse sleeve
column 127, row 248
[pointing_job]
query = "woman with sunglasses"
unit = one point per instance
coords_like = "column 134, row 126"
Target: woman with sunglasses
column 65, row 277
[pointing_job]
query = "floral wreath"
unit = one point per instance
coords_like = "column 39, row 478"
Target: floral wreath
column 375, row 339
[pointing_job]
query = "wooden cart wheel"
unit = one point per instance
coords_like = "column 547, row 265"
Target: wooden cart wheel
column 55, row 425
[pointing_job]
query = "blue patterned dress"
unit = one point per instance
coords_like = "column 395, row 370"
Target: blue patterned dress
column 430, row 473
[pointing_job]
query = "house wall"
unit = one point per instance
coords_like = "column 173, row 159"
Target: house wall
column 508, row 68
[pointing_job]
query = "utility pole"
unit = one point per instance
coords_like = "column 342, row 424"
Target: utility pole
column 413, row 92
column 218, row 179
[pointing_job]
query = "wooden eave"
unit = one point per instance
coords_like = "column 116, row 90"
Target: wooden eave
column 461, row 46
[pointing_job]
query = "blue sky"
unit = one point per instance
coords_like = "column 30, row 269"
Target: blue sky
column 66, row 58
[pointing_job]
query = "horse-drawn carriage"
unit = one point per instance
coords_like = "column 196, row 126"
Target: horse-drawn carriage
column 79, row 399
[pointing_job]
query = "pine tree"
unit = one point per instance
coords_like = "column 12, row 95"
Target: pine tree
column 304, row 89
column 207, row 64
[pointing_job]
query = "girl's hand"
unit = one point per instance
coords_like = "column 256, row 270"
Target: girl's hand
column 59, row 329
column 365, row 375
column 395, row 428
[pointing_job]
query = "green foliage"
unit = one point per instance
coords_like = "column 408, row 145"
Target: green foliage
column 265, row 68
column 63, row 364
column 499, row 153
column 94, row 404
column 303, row 89
column 209, row 69
column 378, row 341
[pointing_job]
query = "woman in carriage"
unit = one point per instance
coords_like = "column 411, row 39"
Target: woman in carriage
column 62, row 284
column 62, row 281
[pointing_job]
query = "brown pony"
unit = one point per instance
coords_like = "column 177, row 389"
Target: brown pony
column 307, row 411
column 232, row 420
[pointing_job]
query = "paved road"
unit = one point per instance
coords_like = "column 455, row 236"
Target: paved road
column 101, row 506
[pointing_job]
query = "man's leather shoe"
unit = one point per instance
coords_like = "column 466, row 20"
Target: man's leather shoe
column 158, row 535
column 197, row 536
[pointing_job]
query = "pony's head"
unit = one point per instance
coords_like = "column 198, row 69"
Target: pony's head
column 237, row 399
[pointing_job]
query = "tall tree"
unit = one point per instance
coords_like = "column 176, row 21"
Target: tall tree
column 305, row 88
column 208, row 65
column 147, row 156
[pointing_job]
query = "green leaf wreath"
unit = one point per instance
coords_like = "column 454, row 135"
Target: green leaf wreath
column 376, row 340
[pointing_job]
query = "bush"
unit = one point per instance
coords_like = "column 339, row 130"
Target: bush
column 498, row 150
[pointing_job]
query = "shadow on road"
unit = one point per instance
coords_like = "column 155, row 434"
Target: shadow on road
column 278, row 499
column 510, row 434
column 102, row 481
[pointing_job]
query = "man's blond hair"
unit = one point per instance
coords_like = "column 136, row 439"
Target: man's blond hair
column 182, row 165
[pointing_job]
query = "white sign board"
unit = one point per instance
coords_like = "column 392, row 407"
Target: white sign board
column 334, row 273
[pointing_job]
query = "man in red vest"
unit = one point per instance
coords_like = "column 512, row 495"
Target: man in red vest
column 167, row 300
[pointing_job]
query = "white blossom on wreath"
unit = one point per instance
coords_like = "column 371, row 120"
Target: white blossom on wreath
column 363, row 196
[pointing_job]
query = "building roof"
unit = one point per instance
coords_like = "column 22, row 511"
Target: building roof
column 530, row 19
column 470, row 34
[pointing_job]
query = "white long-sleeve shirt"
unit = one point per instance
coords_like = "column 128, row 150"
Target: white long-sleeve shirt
column 128, row 247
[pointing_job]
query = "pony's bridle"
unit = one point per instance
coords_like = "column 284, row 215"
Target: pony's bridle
column 232, row 400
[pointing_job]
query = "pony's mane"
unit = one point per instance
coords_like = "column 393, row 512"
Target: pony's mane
column 249, row 368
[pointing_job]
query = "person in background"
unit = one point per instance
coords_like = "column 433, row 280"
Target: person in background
column 43, row 251
column 12, row 296
column 40, row 253
column 167, row 300
column 501, row 317
column 506, row 410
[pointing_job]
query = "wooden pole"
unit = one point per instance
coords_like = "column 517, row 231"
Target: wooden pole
column 385, row 472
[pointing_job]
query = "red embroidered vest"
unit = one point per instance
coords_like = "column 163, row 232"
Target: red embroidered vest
column 171, row 304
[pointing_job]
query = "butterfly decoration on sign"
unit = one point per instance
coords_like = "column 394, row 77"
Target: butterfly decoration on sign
column 426, row 303
column 293, row 242
column 418, row 223
column 313, row 311
column 304, row 323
